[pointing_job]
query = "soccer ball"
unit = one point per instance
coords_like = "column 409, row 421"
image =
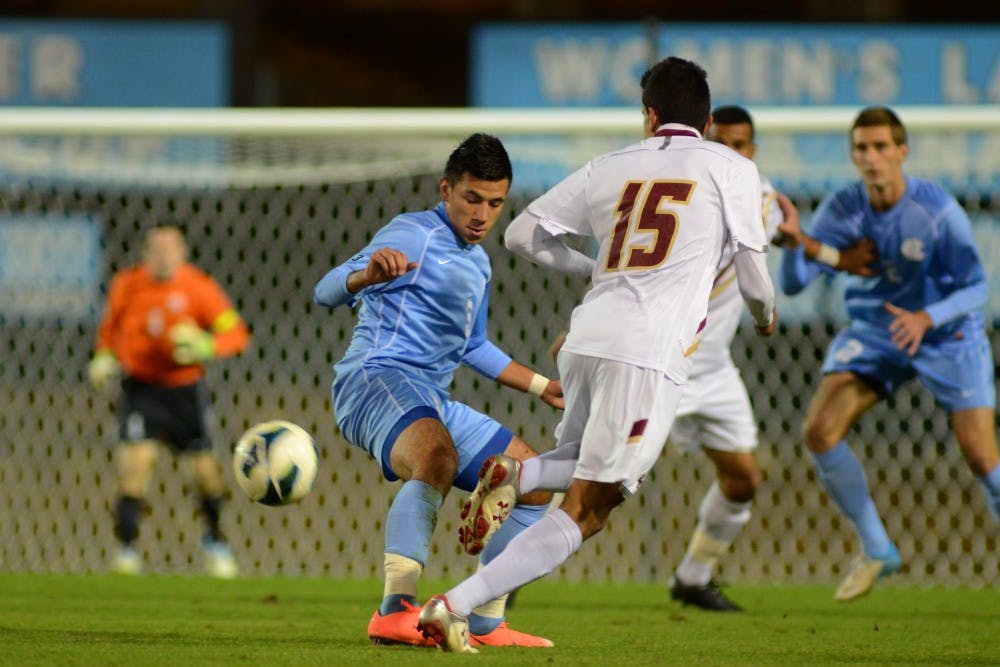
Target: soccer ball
column 275, row 462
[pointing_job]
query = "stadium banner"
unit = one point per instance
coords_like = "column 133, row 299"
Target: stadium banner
column 50, row 267
column 118, row 64
column 588, row 65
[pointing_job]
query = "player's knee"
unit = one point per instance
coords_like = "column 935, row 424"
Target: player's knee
column 437, row 464
column 981, row 462
column 818, row 436
column 135, row 464
column 208, row 474
column 741, row 486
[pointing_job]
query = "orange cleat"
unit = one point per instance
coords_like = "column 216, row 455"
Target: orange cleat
column 502, row 635
column 399, row 627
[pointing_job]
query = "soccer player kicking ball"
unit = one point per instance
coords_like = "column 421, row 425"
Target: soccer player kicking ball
column 423, row 288
column 920, row 317
column 661, row 211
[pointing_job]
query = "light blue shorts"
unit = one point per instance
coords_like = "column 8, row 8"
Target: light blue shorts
column 958, row 372
column 373, row 406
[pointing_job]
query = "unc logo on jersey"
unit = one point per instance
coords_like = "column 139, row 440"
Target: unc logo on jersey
column 913, row 249
column 851, row 349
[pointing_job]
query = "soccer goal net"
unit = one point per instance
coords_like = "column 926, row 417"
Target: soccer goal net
column 272, row 199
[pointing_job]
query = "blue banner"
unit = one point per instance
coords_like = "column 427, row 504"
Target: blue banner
column 121, row 63
column 600, row 65
column 50, row 267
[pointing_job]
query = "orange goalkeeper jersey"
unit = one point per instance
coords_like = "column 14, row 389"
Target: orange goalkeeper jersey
column 141, row 311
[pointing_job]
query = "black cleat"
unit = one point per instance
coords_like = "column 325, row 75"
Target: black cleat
column 707, row 596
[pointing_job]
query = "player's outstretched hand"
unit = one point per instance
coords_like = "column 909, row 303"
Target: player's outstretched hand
column 102, row 369
column 387, row 264
column 858, row 258
column 908, row 327
column 789, row 232
column 553, row 395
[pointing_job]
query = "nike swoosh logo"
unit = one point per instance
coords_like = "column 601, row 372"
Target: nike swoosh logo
column 443, row 261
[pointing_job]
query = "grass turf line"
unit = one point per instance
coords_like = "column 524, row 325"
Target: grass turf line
column 70, row 620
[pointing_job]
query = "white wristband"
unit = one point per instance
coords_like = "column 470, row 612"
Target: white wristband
column 828, row 255
column 538, row 384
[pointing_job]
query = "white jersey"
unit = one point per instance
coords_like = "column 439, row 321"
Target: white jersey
column 725, row 306
column 664, row 212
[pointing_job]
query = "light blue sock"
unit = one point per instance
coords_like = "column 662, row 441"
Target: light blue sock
column 520, row 518
column 991, row 483
column 409, row 526
column 844, row 479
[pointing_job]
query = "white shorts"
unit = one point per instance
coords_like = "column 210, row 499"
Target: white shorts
column 619, row 415
column 715, row 412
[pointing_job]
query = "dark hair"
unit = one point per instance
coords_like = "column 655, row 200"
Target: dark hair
column 678, row 90
column 482, row 156
column 731, row 114
column 879, row 116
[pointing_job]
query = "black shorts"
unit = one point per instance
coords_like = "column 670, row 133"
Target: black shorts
column 175, row 416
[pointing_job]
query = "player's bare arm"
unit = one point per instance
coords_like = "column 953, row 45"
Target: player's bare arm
column 789, row 231
column 857, row 259
column 519, row 376
column 384, row 265
column 908, row 327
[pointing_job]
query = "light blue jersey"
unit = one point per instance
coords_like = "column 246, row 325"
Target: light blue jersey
column 927, row 258
column 428, row 321
column 927, row 261
column 411, row 336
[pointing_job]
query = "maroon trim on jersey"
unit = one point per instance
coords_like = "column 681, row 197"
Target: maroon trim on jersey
column 676, row 132
column 701, row 326
column 638, row 428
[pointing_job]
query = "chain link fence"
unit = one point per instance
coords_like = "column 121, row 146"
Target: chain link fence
column 268, row 245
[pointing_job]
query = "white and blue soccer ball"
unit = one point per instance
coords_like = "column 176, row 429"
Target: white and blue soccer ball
column 276, row 462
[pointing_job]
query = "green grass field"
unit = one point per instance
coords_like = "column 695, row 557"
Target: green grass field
column 108, row 620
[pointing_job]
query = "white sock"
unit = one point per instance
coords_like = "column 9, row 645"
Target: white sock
column 401, row 575
column 534, row 553
column 552, row 471
column 719, row 522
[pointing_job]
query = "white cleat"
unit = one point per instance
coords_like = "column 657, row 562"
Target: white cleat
column 127, row 561
column 865, row 573
column 219, row 560
column 490, row 503
column 450, row 631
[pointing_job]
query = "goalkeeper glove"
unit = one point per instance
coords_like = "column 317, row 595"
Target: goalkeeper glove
column 192, row 344
column 102, row 369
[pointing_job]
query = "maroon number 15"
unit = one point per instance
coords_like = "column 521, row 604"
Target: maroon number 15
column 662, row 224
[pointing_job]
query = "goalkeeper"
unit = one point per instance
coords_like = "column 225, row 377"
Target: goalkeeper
column 423, row 285
column 163, row 321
